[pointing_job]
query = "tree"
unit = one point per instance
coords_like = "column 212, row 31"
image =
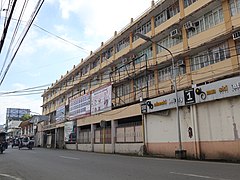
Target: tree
column 26, row 117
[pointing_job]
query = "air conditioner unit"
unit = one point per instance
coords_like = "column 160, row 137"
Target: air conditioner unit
column 181, row 63
column 175, row 33
column 236, row 35
column 189, row 26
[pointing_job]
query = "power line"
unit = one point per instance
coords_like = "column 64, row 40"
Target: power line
column 23, row 35
column 14, row 35
column 6, row 25
column 60, row 38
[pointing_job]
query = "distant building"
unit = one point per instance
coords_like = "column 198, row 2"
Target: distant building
column 13, row 120
column 2, row 128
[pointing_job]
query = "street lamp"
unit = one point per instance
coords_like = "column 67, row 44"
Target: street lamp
column 180, row 153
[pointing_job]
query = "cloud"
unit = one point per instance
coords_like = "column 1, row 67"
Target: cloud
column 68, row 6
column 102, row 18
column 19, row 86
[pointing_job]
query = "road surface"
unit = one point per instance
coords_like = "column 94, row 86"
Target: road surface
column 51, row 164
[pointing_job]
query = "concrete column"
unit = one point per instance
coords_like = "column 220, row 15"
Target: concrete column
column 114, row 125
column 145, row 132
column 181, row 6
column 77, row 137
column 196, row 135
column 130, row 41
column 55, row 139
column 93, row 127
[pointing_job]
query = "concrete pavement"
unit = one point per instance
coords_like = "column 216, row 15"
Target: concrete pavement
column 50, row 164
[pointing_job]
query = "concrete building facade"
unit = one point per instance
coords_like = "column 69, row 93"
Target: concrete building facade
column 122, row 99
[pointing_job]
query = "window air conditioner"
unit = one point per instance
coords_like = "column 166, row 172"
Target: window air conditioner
column 189, row 26
column 236, row 35
column 181, row 63
column 175, row 33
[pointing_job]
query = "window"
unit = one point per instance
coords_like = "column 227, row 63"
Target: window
column 180, row 67
column 77, row 76
column 234, row 6
column 106, row 74
column 120, row 67
column 107, row 54
column 188, row 2
column 165, row 73
column 123, row 89
column 140, row 83
column 167, row 13
column 207, row 21
column 238, row 47
column 151, row 79
column 168, row 42
column 85, row 70
column 84, row 87
column 95, row 81
column 144, row 29
column 95, row 63
column 122, row 44
column 211, row 56
column 146, row 53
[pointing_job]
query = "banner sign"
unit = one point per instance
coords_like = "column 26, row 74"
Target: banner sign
column 218, row 90
column 204, row 93
column 101, row 99
column 79, row 106
column 69, row 131
column 60, row 114
column 165, row 102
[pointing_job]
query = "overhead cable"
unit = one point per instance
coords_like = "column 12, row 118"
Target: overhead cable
column 21, row 38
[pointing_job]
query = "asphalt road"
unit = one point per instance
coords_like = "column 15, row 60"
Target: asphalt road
column 50, row 164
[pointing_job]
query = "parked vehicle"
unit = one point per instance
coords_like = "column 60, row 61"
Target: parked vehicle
column 26, row 142
column 3, row 142
column 15, row 142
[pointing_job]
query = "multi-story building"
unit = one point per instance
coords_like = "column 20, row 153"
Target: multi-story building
column 122, row 97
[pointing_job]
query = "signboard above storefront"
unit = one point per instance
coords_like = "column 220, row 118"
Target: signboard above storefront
column 165, row 102
column 218, row 90
column 209, row 92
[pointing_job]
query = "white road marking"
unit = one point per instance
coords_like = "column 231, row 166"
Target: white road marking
column 9, row 176
column 199, row 176
column 67, row 157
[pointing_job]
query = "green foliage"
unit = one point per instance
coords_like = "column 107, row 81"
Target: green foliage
column 26, row 117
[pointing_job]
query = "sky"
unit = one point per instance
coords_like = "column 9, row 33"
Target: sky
column 43, row 57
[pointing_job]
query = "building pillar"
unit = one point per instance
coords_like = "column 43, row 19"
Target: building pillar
column 181, row 7
column 196, row 135
column 77, row 137
column 55, row 138
column 93, row 127
column 114, row 125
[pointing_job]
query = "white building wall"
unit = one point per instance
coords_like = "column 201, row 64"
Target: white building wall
column 132, row 148
column 85, row 147
column 100, row 148
column 164, row 128
column 71, row 146
column 217, row 118
column 216, row 122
